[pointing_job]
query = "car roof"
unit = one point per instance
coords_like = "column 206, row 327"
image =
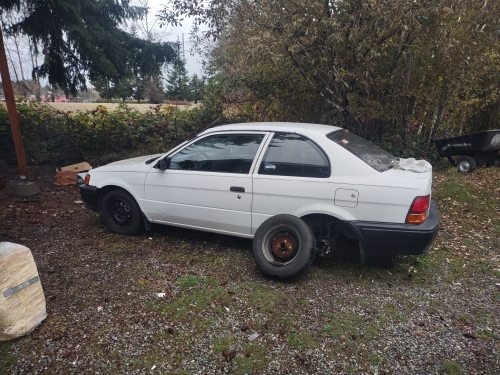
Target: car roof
column 293, row 127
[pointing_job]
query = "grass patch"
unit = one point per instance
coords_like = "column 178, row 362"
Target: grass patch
column 218, row 310
column 459, row 197
column 435, row 303
column 288, row 322
column 390, row 311
column 485, row 318
column 485, row 334
column 374, row 359
column 264, row 300
column 350, row 327
column 469, row 222
column 223, row 344
column 302, row 340
column 451, row 368
column 153, row 305
column 113, row 244
column 464, row 319
column 196, row 300
column 6, row 359
column 253, row 359
column 188, row 281
column 304, row 303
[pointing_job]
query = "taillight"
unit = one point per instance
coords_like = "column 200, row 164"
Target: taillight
column 418, row 210
column 87, row 179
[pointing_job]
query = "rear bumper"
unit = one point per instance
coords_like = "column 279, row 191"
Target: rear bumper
column 89, row 196
column 397, row 239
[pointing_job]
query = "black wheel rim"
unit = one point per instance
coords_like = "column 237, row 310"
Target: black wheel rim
column 120, row 212
column 325, row 247
column 281, row 246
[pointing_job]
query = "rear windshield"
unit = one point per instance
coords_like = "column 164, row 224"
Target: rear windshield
column 372, row 155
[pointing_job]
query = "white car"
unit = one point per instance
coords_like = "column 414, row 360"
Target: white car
column 294, row 188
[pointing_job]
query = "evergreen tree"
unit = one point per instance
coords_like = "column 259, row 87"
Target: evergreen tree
column 155, row 92
column 124, row 88
column 197, row 87
column 83, row 39
column 178, row 82
column 140, row 88
column 104, row 88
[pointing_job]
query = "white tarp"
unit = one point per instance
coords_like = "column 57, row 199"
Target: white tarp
column 22, row 302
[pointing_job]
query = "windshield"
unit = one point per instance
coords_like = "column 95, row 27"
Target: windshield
column 372, row 155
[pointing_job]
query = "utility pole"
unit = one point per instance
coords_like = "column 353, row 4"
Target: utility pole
column 183, row 55
column 11, row 109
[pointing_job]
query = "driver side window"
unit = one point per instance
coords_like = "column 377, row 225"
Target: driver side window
column 228, row 153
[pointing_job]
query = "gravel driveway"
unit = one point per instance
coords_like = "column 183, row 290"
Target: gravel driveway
column 175, row 301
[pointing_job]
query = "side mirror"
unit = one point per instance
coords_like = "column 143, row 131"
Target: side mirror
column 163, row 164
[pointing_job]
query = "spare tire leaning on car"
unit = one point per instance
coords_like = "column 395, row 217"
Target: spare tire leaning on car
column 284, row 247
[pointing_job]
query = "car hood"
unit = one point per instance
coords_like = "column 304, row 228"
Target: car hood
column 129, row 165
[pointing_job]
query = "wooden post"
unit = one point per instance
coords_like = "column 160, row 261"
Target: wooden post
column 11, row 109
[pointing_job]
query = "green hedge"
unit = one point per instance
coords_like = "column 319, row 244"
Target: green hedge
column 100, row 135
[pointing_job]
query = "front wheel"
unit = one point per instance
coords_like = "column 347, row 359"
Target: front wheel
column 121, row 213
column 284, row 247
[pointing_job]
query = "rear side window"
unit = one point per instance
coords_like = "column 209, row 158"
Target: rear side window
column 372, row 155
column 291, row 154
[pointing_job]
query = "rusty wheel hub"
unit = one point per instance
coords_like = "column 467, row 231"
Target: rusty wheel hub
column 283, row 246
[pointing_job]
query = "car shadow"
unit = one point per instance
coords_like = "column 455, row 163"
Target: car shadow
column 347, row 250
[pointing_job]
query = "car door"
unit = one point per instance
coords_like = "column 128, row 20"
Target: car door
column 293, row 173
column 208, row 184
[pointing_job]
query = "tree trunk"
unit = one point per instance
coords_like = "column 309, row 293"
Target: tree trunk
column 411, row 103
column 34, row 64
column 461, row 128
column 19, row 58
column 438, row 115
column 421, row 125
column 12, row 63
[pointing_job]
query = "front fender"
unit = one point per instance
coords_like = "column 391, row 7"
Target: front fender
column 133, row 183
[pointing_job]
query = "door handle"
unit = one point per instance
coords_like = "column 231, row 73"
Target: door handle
column 237, row 189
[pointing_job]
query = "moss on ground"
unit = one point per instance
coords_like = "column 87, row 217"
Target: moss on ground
column 6, row 358
column 252, row 360
column 451, row 368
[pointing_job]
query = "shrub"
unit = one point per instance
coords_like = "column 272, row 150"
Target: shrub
column 55, row 136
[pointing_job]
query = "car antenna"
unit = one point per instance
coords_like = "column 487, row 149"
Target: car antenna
column 209, row 126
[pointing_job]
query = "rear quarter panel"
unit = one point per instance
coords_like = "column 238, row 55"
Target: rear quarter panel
column 382, row 196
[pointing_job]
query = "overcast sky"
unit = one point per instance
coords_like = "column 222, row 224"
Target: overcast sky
column 193, row 63
column 21, row 67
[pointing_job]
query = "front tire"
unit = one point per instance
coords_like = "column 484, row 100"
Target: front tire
column 121, row 213
column 284, row 247
column 466, row 164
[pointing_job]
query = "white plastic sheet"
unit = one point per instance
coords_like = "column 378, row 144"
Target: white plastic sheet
column 22, row 302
